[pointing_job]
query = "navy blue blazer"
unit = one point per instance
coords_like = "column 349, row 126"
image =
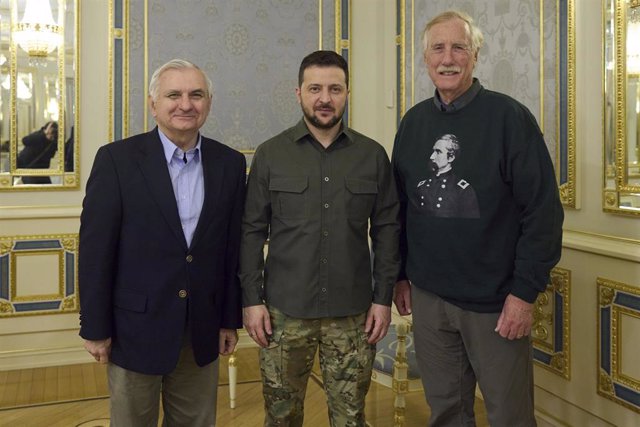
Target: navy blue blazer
column 139, row 283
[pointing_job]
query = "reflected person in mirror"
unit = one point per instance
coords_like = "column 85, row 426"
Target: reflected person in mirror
column 39, row 148
column 470, row 276
column 158, row 255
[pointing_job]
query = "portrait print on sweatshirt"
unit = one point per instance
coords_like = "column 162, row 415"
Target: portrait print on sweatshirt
column 444, row 194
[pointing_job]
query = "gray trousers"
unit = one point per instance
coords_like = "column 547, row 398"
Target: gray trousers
column 456, row 348
column 189, row 395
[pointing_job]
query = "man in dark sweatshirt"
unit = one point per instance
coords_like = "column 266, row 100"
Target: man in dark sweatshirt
column 471, row 278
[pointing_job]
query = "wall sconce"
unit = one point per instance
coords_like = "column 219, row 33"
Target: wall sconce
column 37, row 34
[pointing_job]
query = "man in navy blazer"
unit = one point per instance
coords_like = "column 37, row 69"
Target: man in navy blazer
column 159, row 237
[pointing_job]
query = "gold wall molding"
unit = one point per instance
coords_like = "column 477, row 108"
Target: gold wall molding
column 620, row 187
column 20, row 302
column 551, row 331
column 616, row 299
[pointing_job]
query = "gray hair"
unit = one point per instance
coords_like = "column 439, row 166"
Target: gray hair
column 453, row 146
column 175, row 64
column 475, row 34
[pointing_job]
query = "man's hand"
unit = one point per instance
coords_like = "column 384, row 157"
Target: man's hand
column 516, row 318
column 228, row 341
column 378, row 321
column 402, row 297
column 48, row 131
column 257, row 322
column 100, row 350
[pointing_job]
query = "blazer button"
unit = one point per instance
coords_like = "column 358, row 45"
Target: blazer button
column 182, row 293
column 189, row 258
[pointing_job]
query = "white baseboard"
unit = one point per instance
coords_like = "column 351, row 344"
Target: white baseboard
column 40, row 358
column 557, row 412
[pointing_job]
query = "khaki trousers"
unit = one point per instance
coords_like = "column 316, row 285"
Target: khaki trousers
column 189, row 395
column 456, row 348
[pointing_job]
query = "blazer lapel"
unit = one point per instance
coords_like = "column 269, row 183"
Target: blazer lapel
column 154, row 168
column 213, row 175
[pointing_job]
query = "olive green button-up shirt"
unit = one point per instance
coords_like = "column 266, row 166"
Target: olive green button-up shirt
column 315, row 206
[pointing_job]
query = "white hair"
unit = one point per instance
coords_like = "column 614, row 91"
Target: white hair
column 175, row 64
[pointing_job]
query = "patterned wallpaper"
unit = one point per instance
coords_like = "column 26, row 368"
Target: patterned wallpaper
column 251, row 50
column 509, row 61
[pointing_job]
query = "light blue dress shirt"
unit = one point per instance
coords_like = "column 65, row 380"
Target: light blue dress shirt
column 187, row 181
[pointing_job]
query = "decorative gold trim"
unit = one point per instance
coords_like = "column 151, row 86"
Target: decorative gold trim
column 320, row 14
column 621, row 95
column 621, row 179
column 541, row 62
column 68, row 303
column 337, row 24
column 413, row 49
column 608, row 291
column 69, row 180
column 403, row 56
column 13, row 282
column 344, row 44
column 544, row 322
column 110, row 65
column 145, row 89
column 125, row 69
column 568, row 190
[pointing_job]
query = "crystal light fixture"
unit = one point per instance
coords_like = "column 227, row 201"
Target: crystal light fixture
column 37, row 33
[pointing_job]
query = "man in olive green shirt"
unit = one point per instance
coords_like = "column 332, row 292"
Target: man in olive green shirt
column 313, row 191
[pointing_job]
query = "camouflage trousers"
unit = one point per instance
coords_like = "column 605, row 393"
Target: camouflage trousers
column 346, row 360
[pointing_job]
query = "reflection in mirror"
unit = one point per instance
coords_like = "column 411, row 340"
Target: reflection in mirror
column 621, row 106
column 38, row 77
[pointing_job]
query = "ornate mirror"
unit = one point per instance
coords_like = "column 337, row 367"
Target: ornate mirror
column 39, row 52
column 621, row 106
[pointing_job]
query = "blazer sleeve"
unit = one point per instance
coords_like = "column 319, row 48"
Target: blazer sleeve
column 99, row 237
column 232, row 314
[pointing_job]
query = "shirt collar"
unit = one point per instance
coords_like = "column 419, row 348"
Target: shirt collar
column 461, row 101
column 300, row 131
column 171, row 149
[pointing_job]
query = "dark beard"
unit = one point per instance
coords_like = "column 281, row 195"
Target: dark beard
column 317, row 123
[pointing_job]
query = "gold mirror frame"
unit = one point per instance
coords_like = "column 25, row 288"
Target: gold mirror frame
column 66, row 68
column 621, row 165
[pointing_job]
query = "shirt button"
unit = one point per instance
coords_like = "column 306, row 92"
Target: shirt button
column 325, row 233
column 440, row 198
column 438, row 205
column 189, row 258
column 326, row 179
column 443, row 186
column 324, row 289
column 421, row 203
column 422, row 197
column 323, row 260
column 182, row 293
column 326, row 205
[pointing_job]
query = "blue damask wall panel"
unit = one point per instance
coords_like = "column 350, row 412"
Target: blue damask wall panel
column 250, row 49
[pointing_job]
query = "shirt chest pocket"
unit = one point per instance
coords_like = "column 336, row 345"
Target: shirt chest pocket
column 289, row 197
column 361, row 195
